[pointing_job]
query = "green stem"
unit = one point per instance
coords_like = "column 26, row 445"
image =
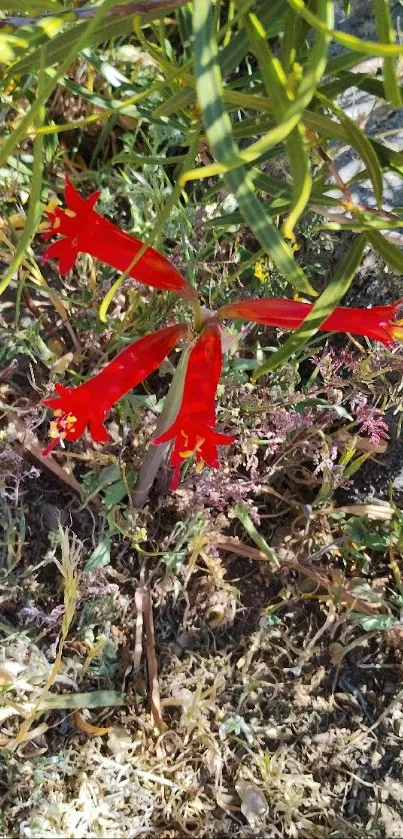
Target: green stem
column 155, row 455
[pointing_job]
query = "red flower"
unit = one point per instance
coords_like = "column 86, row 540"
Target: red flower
column 89, row 403
column 84, row 230
column 288, row 314
column 193, row 429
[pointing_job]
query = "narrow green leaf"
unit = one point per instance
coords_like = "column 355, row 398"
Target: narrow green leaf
column 355, row 465
column 29, row 6
column 323, row 307
column 289, row 43
column 34, row 207
column 290, row 119
column 88, row 33
column 219, row 132
column 389, row 252
column 299, row 160
column 275, row 82
column 350, row 41
column 345, row 61
column 242, row 513
column 329, row 128
column 231, row 56
column 91, row 699
column 386, row 33
column 50, row 81
column 360, row 142
column 359, row 225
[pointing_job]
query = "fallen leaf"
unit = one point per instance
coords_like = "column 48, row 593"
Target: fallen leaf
column 92, row 730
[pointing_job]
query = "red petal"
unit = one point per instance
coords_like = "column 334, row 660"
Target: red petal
column 67, row 260
column 98, row 431
column 92, row 199
column 73, row 198
column 64, row 252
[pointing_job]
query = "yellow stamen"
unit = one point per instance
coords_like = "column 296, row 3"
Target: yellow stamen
column 199, row 466
column 70, row 420
column 190, row 452
column 54, row 431
column 70, row 213
column 186, row 453
column 51, row 206
column 397, row 331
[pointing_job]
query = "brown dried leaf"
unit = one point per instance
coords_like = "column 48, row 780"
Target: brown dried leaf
column 152, row 666
column 87, row 727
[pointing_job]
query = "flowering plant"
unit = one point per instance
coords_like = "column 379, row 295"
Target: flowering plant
column 193, row 429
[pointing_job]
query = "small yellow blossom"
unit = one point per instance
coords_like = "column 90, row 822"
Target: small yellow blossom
column 261, row 270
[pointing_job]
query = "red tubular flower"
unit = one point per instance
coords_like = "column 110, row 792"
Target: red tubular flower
column 89, row 403
column 84, row 230
column 193, row 429
column 288, row 314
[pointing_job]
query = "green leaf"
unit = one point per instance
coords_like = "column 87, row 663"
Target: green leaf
column 219, row 133
column 88, row 33
column 360, row 142
column 29, row 6
column 291, row 117
column 231, row 56
column 35, row 206
column 386, row 33
column 100, row 556
column 350, row 41
column 371, row 623
column 392, row 255
column 243, row 515
column 50, row 81
column 355, row 465
column 322, row 308
column 275, row 82
column 115, row 493
column 91, row 699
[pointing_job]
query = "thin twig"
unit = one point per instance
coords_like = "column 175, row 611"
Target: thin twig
column 334, row 173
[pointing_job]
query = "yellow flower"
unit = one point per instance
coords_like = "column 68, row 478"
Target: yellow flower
column 261, row 270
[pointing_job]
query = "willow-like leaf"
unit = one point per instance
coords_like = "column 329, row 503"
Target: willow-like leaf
column 219, row 133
